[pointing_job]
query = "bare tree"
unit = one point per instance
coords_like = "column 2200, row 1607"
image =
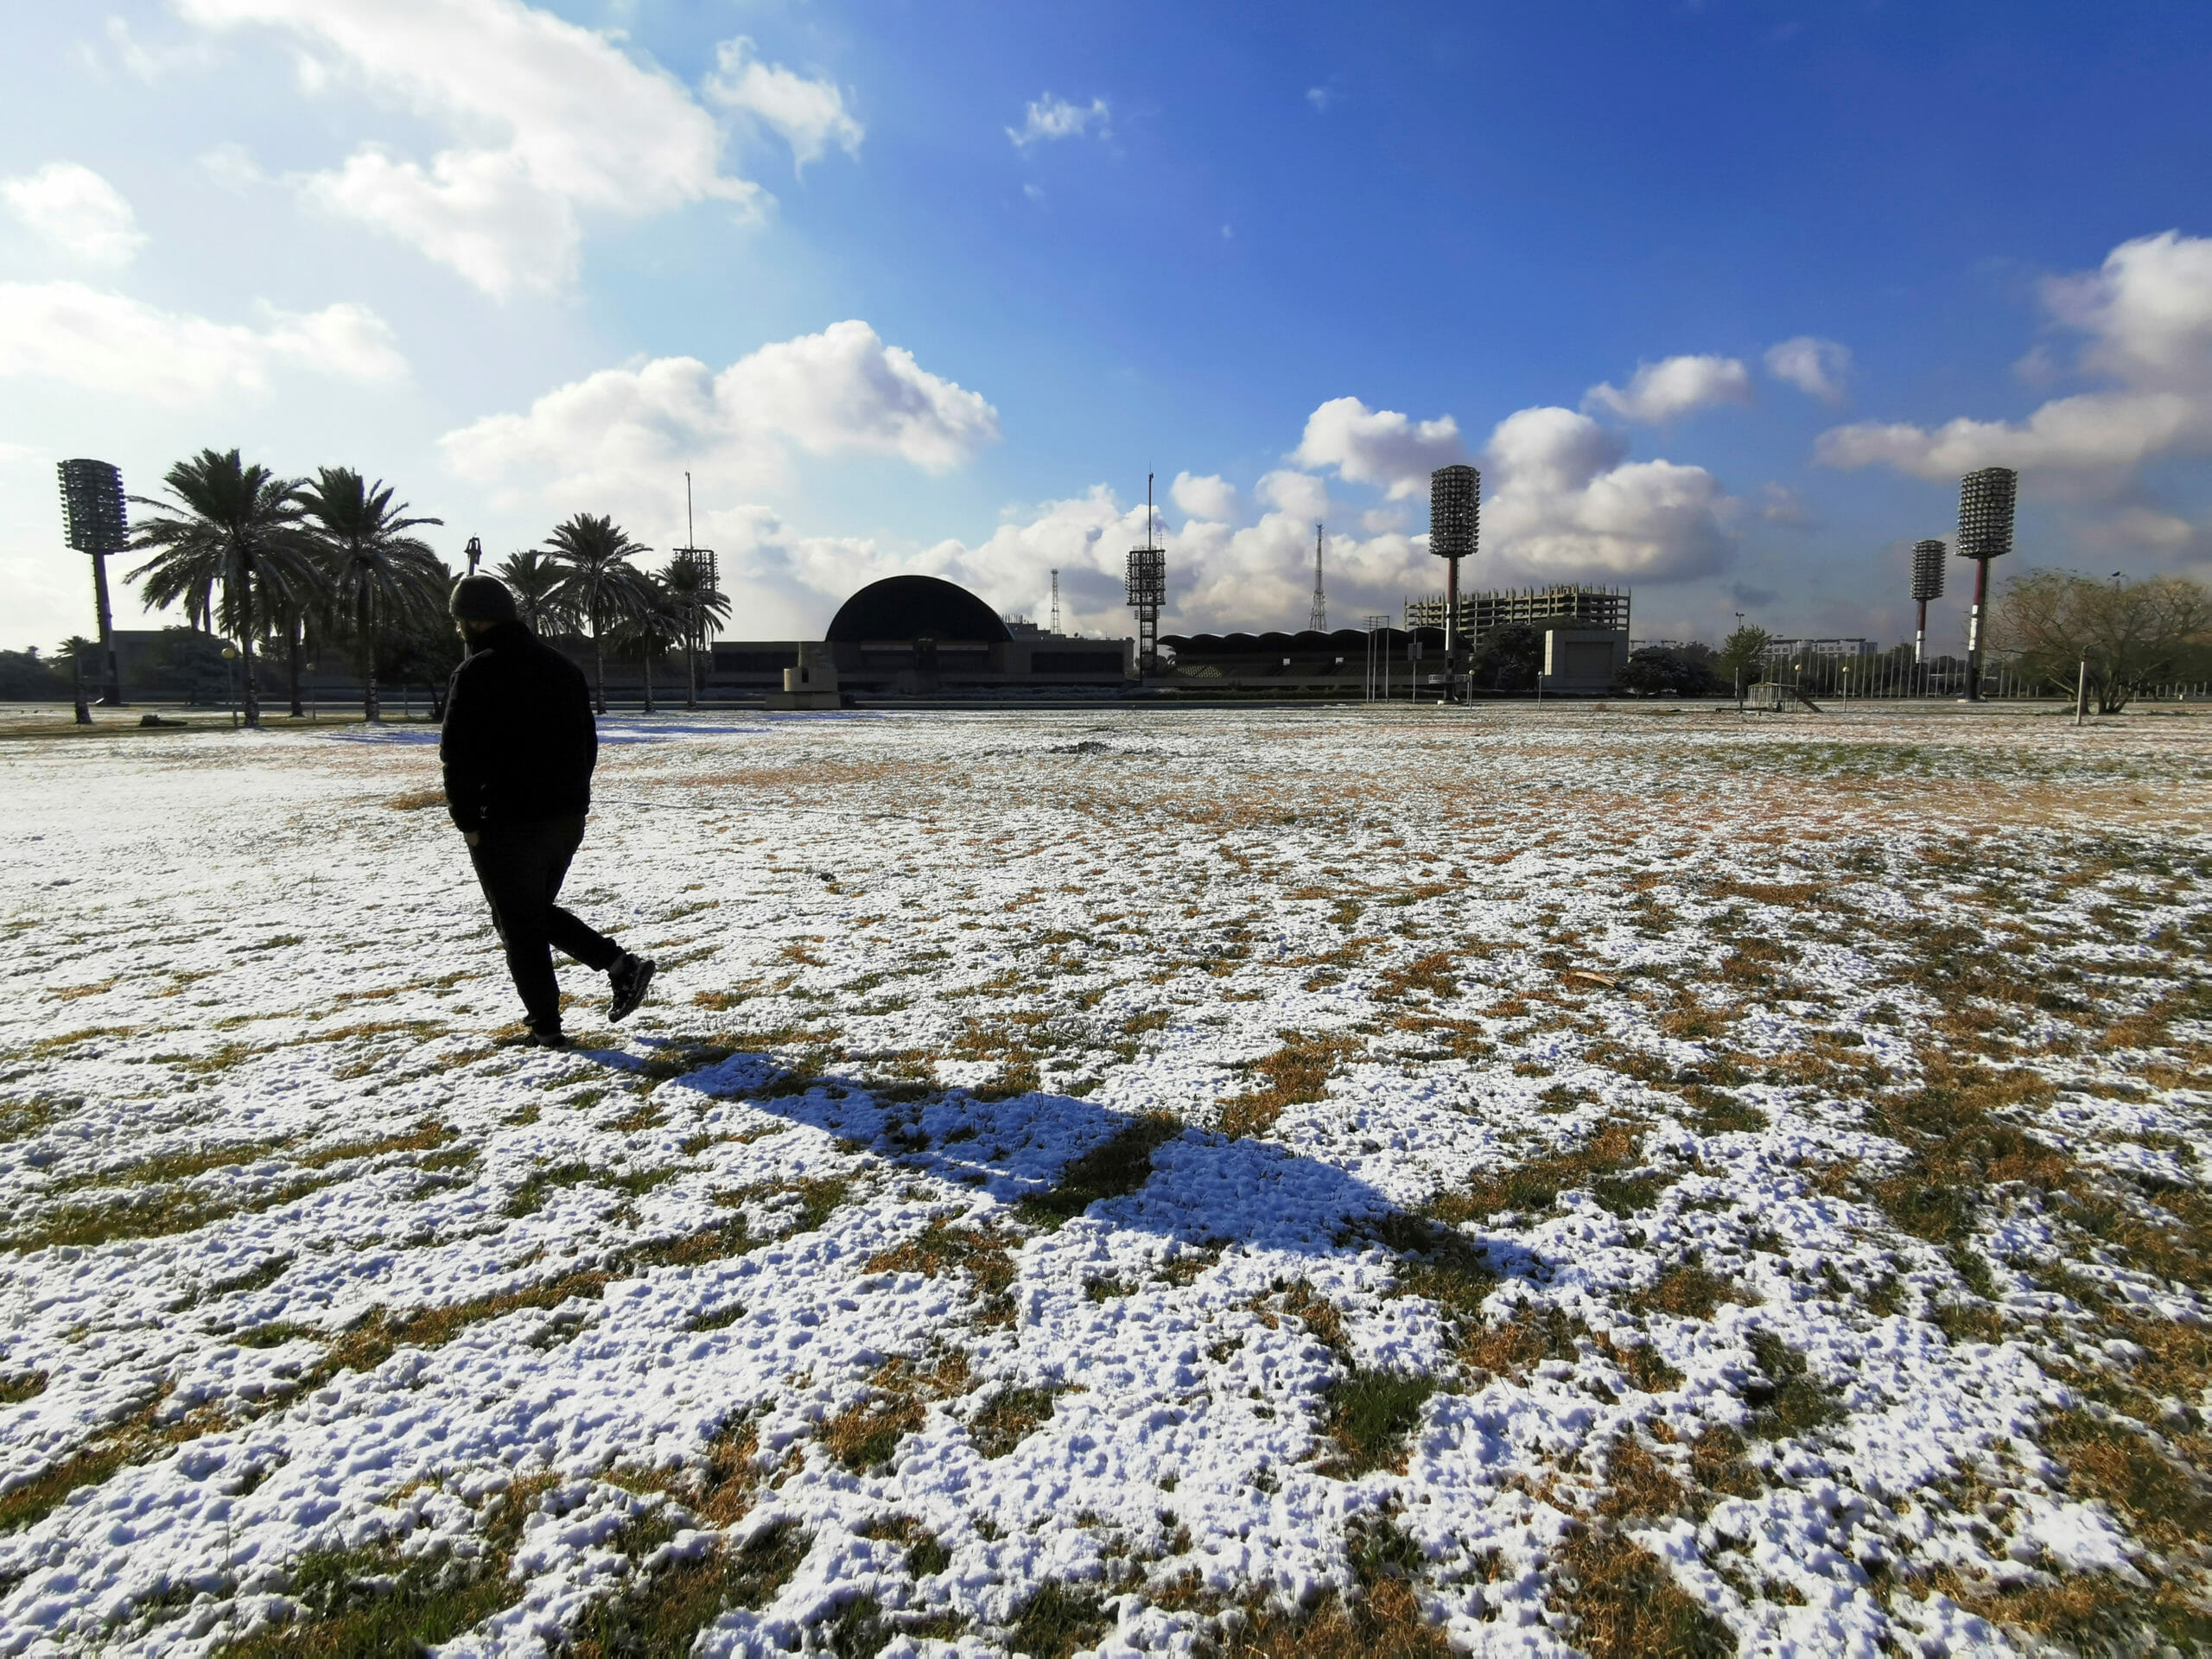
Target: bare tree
column 2122, row 634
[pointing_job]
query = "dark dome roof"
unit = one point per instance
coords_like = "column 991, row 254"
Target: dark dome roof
column 914, row 607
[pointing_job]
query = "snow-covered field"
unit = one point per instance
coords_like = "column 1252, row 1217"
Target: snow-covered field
column 1349, row 1180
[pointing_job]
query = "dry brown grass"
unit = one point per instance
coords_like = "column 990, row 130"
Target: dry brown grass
column 1624, row 1604
column 375, row 1339
column 1429, row 975
column 138, row 1437
column 985, row 1254
column 1297, row 1072
column 1535, row 1187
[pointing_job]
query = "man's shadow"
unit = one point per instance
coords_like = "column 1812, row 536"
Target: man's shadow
column 1203, row 1189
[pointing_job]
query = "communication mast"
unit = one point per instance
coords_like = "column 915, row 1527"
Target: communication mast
column 1927, row 584
column 1319, row 621
column 1055, row 601
column 1148, row 585
column 1986, row 499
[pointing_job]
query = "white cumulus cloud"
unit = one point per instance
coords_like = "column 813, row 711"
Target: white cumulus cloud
column 1816, row 368
column 1662, row 391
column 2145, row 316
column 549, row 121
column 808, row 115
column 107, row 342
column 1562, row 502
column 76, row 210
column 1379, row 447
column 1051, row 118
column 1210, row 497
column 840, row 391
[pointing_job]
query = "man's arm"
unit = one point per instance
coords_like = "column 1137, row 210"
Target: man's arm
column 460, row 753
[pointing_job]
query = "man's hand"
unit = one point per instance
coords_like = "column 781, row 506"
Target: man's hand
column 471, row 837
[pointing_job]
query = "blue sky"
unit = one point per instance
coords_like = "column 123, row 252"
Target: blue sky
column 1722, row 297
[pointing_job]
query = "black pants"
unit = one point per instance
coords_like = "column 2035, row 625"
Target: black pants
column 521, row 867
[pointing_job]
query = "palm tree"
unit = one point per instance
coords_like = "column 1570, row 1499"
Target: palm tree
column 377, row 569
column 233, row 527
column 598, row 584
column 652, row 624
column 699, row 604
column 532, row 578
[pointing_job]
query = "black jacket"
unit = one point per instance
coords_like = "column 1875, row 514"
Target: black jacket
column 519, row 741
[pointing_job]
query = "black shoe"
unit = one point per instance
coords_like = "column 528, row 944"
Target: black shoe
column 530, row 1037
column 630, row 977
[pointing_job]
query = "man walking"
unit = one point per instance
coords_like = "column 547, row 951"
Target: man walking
column 517, row 748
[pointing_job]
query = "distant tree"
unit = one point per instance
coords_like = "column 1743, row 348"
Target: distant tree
column 1508, row 658
column 230, row 541
column 598, row 585
column 534, row 580
column 25, row 677
column 651, row 625
column 2126, row 634
column 1740, row 655
column 1660, row 671
column 700, row 607
column 189, row 664
column 378, row 573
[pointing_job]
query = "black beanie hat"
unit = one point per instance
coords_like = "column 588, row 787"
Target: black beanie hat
column 482, row 599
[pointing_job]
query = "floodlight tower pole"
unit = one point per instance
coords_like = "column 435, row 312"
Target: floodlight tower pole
column 1986, row 499
column 93, row 514
column 1455, row 495
column 1927, row 584
column 1147, row 576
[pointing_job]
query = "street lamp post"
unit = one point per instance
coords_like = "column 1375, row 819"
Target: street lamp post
column 231, row 681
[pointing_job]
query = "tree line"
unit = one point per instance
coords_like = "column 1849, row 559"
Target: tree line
column 299, row 566
column 2055, row 630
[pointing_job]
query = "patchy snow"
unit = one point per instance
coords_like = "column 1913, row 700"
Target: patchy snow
column 916, row 966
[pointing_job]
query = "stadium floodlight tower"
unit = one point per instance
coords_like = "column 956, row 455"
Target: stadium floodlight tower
column 1985, row 503
column 92, row 510
column 1927, row 584
column 1455, row 509
column 1148, row 580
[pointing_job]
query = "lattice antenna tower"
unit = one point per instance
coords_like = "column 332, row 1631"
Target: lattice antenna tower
column 1318, row 618
column 1055, row 601
column 1927, row 584
column 1986, row 500
column 1147, row 587
column 1455, row 522
column 93, row 515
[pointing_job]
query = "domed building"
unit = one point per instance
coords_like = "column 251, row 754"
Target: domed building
column 923, row 636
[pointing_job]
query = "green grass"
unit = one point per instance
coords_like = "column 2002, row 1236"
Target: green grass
column 1057, row 1621
column 1370, row 1414
column 371, row 1603
column 663, row 1613
column 1112, row 1169
column 1010, row 1417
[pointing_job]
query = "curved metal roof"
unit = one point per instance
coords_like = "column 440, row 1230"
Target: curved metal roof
column 915, row 607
